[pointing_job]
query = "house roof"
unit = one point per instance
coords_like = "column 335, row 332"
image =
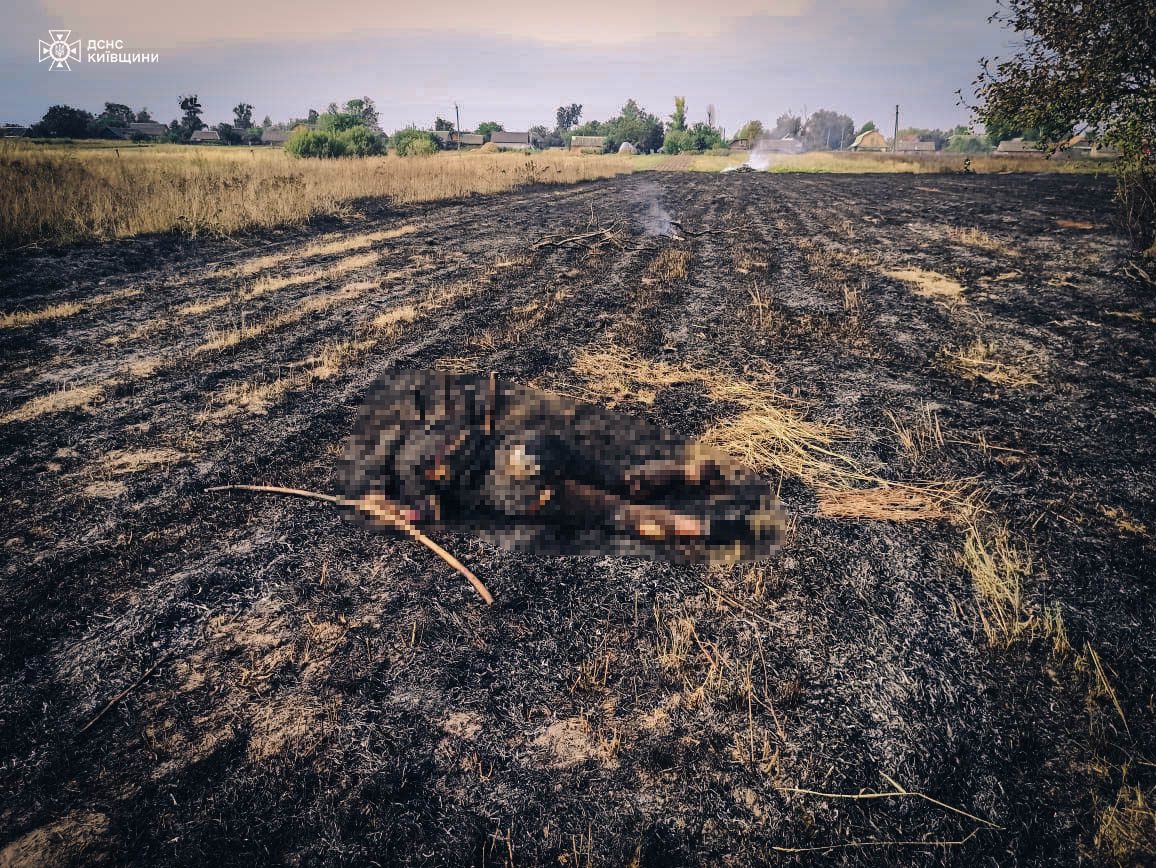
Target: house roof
column 916, row 145
column 148, row 128
column 588, row 141
column 450, row 137
column 505, row 138
column 1016, row 146
column 205, row 136
column 275, row 136
column 869, row 139
column 13, row 130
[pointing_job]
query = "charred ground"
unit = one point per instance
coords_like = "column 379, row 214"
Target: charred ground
column 317, row 694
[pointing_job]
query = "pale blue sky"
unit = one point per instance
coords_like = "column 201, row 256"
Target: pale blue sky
column 513, row 61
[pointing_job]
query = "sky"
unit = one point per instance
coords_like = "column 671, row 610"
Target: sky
column 513, row 61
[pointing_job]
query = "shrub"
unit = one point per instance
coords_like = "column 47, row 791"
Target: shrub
column 315, row 143
column 676, row 142
column 362, row 142
column 411, row 142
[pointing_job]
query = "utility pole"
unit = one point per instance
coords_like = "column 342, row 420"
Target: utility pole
column 458, row 125
column 895, row 141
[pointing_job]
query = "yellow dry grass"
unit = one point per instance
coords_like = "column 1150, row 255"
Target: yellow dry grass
column 227, row 190
column 929, row 284
column 1126, row 829
column 274, row 283
column 973, row 237
column 19, row 318
column 1123, row 521
column 770, row 433
column 671, row 265
column 313, row 304
column 997, row 568
column 977, row 362
column 56, row 402
column 398, row 316
column 883, row 503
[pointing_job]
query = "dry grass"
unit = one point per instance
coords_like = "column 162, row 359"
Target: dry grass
column 20, row 318
column 997, row 569
column 313, row 304
column 977, row 362
column 671, row 265
column 1127, row 828
column 227, row 190
column 929, row 284
column 973, row 237
column 1123, row 521
column 885, row 503
column 918, row 436
column 56, row 402
column 770, row 433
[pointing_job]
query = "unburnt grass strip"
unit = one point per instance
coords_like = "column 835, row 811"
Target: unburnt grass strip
column 21, row 318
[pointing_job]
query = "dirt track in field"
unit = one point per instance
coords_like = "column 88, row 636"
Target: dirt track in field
column 316, row 694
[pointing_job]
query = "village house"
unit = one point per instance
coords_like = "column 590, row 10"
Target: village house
column 588, row 143
column 272, row 136
column 452, row 138
column 872, row 140
column 511, row 141
column 141, row 130
column 1017, row 148
column 203, row 136
column 12, row 131
column 912, row 145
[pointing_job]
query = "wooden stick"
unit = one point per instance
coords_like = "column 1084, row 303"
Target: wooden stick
column 125, row 692
column 855, row 844
column 899, row 792
column 378, row 507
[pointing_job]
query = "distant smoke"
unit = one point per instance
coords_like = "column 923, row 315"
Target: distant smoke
column 760, row 155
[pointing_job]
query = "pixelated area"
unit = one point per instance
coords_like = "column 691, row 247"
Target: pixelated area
column 533, row 471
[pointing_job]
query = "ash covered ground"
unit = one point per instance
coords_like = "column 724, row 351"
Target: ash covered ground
column 316, row 694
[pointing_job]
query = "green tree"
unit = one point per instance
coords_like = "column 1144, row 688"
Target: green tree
column 267, row 121
column 488, row 128
column 568, row 116
column 364, row 108
column 143, row 116
column 442, row 124
column 678, row 117
column 828, row 130
column 243, row 115
column 191, row 115
column 64, row 121
column 1082, row 66
column 116, row 115
column 412, row 142
column 752, row 131
column 866, row 128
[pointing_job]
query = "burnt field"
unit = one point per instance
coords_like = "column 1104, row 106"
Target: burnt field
column 950, row 378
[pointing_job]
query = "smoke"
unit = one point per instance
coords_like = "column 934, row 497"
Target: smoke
column 760, row 157
column 656, row 220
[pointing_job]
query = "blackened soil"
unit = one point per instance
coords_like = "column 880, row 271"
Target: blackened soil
column 320, row 695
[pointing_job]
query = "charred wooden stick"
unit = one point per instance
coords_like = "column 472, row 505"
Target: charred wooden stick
column 702, row 232
column 381, row 509
column 125, row 692
column 606, row 233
